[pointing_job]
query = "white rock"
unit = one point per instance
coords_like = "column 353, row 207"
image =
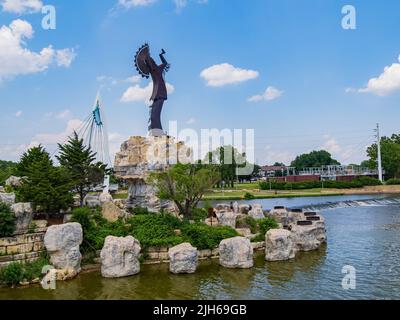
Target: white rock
column 111, row 212
column 14, row 182
column 236, row 207
column 310, row 237
column 7, row 198
column 257, row 212
column 183, row 258
column 2, row 190
column 236, row 253
column 92, row 201
column 281, row 215
column 120, row 257
column 62, row 243
column 24, row 214
column 227, row 218
column 223, row 207
column 105, row 197
column 279, row 245
column 244, row 208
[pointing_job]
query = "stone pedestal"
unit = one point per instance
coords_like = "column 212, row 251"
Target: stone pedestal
column 138, row 157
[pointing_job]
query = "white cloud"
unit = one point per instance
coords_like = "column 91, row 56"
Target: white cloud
column 18, row 113
column 191, row 121
column 342, row 154
column 180, row 4
column 273, row 156
column 21, row 6
column 63, row 114
column 271, row 93
column 223, row 74
column 114, row 143
column 133, row 79
column 135, row 3
column 142, row 94
column 65, row 57
column 59, row 137
column 386, row 83
column 16, row 59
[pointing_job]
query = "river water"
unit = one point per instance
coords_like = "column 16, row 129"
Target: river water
column 363, row 232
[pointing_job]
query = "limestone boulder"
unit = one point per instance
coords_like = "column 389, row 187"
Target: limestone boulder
column 223, row 207
column 309, row 237
column 236, row 207
column 62, row 243
column 24, row 214
column 120, row 257
column 244, row 208
column 7, row 198
column 279, row 245
column 227, row 218
column 236, row 253
column 2, row 190
column 112, row 213
column 14, row 182
column 280, row 214
column 92, row 201
column 256, row 212
column 183, row 258
column 213, row 222
column 105, row 197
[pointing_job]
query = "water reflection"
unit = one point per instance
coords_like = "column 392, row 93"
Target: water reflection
column 362, row 237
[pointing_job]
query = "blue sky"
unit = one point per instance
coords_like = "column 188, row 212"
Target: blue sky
column 224, row 56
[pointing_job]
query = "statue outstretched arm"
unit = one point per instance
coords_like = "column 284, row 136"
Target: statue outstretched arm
column 163, row 60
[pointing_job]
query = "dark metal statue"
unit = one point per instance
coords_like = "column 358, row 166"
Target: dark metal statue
column 147, row 67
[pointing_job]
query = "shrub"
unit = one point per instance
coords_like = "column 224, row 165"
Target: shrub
column 199, row 214
column 83, row 216
column 203, row 236
column 393, row 181
column 267, row 224
column 16, row 272
column 368, row 181
column 155, row 230
column 139, row 211
column 247, row 222
column 12, row 274
column 7, row 220
column 249, row 196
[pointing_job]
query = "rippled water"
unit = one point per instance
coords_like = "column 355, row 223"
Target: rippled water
column 366, row 237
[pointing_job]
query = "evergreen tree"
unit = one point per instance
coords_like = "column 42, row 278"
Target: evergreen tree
column 79, row 161
column 47, row 187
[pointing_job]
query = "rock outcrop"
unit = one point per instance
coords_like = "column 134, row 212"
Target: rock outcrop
column 112, row 213
column 105, row 197
column 183, row 258
column 309, row 237
column 7, row 198
column 227, row 218
column 236, row 253
column 92, row 201
column 279, row 245
column 120, row 257
column 141, row 155
column 24, row 214
column 14, row 182
column 256, row 212
column 62, row 243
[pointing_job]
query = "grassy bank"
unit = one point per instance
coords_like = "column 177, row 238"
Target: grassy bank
column 240, row 190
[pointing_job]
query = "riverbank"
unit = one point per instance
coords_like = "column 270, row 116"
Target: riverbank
column 239, row 192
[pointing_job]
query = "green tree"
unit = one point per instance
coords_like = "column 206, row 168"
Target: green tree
column 34, row 154
column 7, row 220
column 79, row 161
column 390, row 150
column 47, row 187
column 227, row 159
column 314, row 159
column 6, row 170
column 185, row 185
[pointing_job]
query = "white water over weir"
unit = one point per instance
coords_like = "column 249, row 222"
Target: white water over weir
column 352, row 204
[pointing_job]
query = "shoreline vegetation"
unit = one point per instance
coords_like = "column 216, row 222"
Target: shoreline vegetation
column 240, row 190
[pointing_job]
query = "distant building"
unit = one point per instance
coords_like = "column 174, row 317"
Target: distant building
column 324, row 173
